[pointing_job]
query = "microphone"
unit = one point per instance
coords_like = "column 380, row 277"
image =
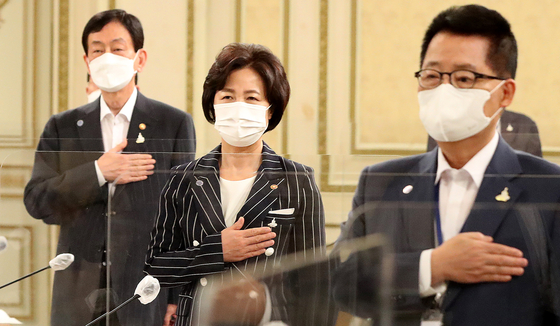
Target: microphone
column 3, row 243
column 61, row 262
column 6, row 319
column 146, row 291
column 58, row 263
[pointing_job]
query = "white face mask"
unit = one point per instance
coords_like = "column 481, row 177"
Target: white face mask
column 111, row 72
column 450, row 114
column 93, row 95
column 240, row 124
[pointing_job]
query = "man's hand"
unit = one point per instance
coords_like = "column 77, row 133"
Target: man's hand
column 170, row 315
column 125, row 168
column 238, row 244
column 473, row 257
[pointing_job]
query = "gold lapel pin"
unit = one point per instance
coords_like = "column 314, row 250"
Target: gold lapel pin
column 503, row 196
column 274, row 187
column 140, row 138
column 142, row 126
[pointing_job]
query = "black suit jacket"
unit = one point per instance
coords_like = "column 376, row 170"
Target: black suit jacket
column 186, row 244
column 518, row 130
column 64, row 190
column 407, row 219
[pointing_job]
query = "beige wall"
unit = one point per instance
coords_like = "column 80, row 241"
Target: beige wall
column 350, row 65
column 25, row 95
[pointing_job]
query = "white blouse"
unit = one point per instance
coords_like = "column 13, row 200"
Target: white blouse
column 234, row 194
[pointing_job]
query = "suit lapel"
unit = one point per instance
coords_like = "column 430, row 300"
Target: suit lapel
column 205, row 183
column 489, row 210
column 491, row 205
column 269, row 185
column 416, row 192
column 141, row 134
column 89, row 128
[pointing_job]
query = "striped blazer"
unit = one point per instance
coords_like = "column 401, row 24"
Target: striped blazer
column 186, row 240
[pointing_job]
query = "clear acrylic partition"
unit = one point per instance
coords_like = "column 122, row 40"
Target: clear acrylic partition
column 353, row 282
column 27, row 241
column 107, row 228
column 132, row 208
column 183, row 248
column 36, row 212
column 294, row 291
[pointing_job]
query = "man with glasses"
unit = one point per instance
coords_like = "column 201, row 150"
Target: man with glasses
column 474, row 224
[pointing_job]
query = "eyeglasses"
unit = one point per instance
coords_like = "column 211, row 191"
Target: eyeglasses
column 429, row 78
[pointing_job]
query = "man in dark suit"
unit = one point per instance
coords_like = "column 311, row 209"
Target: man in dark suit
column 114, row 150
column 474, row 224
column 518, row 130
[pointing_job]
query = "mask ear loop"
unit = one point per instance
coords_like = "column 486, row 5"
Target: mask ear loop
column 498, row 86
column 501, row 108
column 133, row 60
column 496, row 113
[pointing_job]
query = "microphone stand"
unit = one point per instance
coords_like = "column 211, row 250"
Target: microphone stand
column 136, row 296
column 24, row 277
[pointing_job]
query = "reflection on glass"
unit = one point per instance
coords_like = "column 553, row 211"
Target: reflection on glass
column 105, row 226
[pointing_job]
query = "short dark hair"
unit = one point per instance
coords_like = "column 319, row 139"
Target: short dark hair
column 236, row 56
column 481, row 21
column 129, row 21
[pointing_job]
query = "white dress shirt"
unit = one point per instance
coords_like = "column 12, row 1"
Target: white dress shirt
column 457, row 192
column 114, row 128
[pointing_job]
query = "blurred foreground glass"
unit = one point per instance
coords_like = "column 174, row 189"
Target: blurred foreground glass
column 268, row 298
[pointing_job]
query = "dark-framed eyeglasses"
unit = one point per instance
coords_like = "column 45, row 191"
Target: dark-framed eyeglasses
column 430, row 78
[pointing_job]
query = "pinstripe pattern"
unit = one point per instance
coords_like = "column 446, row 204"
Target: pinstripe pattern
column 186, row 241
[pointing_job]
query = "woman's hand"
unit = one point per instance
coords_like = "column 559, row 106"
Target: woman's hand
column 239, row 245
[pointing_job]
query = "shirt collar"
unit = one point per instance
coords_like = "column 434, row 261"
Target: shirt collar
column 476, row 166
column 126, row 109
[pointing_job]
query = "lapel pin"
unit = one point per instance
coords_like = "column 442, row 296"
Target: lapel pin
column 509, row 127
column 406, row 190
column 199, row 183
column 503, row 196
column 140, row 138
column 80, row 123
column 274, row 187
column 273, row 223
column 142, row 126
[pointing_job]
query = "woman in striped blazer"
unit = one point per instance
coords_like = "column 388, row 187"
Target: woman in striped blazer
column 241, row 203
